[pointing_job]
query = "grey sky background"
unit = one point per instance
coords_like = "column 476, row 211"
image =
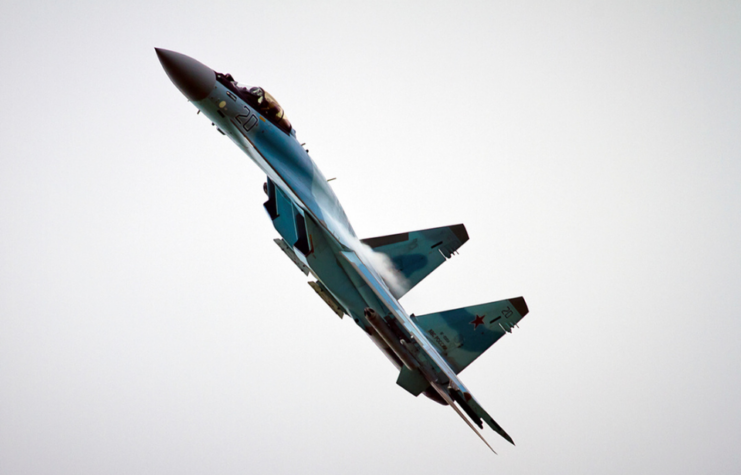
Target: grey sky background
column 149, row 325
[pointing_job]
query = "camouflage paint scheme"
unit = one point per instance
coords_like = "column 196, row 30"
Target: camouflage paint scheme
column 429, row 350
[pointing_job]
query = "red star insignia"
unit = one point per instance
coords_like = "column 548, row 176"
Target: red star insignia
column 479, row 320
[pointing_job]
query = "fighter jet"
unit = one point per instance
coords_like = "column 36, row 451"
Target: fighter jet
column 361, row 278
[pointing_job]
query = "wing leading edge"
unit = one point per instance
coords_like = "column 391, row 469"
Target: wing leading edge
column 417, row 253
column 463, row 334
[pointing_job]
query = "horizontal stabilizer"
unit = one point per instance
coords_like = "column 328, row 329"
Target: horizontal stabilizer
column 463, row 334
column 450, row 402
column 479, row 411
column 417, row 253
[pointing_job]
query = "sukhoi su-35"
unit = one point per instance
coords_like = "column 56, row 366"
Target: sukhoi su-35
column 361, row 278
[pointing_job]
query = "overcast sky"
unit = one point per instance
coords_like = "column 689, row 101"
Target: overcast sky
column 592, row 149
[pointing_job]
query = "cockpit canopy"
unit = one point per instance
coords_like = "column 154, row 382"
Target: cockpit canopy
column 269, row 107
column 260, row 100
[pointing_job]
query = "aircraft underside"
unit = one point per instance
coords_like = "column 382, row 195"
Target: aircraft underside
column 360, row 278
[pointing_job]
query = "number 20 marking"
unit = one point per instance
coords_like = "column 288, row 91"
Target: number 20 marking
column 248, row 121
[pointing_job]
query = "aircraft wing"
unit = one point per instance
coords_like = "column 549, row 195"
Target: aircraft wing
column 463, row 334
column 416, row 254
column 317, row 237
column 455, row 394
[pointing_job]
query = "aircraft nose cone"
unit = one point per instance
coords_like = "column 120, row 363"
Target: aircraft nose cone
column 193, row 79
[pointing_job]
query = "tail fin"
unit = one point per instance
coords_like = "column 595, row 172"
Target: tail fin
column 463, row 334
column 417, row 253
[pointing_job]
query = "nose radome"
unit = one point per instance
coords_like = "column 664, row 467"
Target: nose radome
column 194, row 79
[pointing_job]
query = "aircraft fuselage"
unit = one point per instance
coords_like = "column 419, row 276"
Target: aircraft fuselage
column 317, row 236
